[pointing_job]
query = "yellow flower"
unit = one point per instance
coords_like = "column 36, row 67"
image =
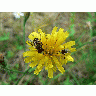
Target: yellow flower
column 49, row 51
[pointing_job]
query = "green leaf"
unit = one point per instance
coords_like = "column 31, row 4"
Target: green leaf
column 90, row 83
column 67, row 82
column 3, row 83
column 10, row 54
column 5, row 37
column 72, row 30
column 16, row 66
column 19, row 47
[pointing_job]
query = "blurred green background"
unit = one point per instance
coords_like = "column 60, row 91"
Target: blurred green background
column 82, row 29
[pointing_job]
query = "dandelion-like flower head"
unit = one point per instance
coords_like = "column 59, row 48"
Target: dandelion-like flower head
column 49, row 51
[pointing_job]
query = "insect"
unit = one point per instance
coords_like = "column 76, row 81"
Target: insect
column 65, row 51
column 37, row 44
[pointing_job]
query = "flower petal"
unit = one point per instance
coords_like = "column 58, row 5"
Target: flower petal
column 28, row 59
column 42, row 36
column 34, row 35
column 21, row 14
column 28, row 53
column 72, row 49
column 33, row 64
column 50, row 64
column 29, row 43
column 54, row 68
column 54, row 30
column 59, row 65
column 69, row 58
column 69, row 44
column 37, row 70
column 50, row 73
column 41, row 63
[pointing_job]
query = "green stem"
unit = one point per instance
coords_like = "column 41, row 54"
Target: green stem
column 91, row 34
column 22, row 76
column 91, row 49
column 75, row 79
column 10, row 70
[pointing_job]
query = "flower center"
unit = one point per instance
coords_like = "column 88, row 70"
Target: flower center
column 18, row 13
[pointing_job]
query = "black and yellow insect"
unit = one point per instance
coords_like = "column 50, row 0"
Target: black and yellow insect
column 38, row 45
column 64, row 51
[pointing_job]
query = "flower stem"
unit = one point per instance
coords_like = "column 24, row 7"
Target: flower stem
column 24, row 35
column 26, row 16
column 22, row 76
